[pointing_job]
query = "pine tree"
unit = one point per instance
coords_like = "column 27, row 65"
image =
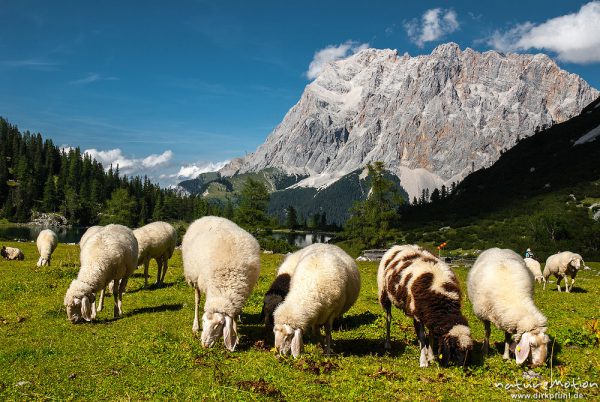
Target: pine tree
column 50, row 201
column 291, row 218
column 252, row 211
column 373, row 221
column 120, row 209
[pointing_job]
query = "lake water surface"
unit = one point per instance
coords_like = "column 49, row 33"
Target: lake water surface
column 73, row 234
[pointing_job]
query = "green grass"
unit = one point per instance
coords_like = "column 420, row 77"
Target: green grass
column 151, row 353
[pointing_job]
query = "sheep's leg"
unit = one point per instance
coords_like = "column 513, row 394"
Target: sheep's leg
column 388, row 323
column 420, row 330
column 558, row 279
column 507, row 338
column 486, row 340
column 328, row 336
column 101, row 301
column 158, row 269
column 196, row 325
column 430, row 356
column 165, row 266
column 567, row 282
column 316, row 335
column 146, row 266
column 545, row 283
column 119, row 289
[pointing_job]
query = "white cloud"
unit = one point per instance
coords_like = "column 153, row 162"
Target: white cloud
column 193, row 170
column 573, row 37
column 157, row 160
column 92, row 77
column 332, row 53
column 434, row 24
column 128, row 165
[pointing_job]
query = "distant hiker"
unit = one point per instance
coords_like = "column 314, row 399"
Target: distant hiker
column 528, row 253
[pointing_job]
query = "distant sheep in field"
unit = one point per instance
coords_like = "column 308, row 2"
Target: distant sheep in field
column 535, row 268
column 221, row 260
column 46, row 244
column 12, row 253
column 428, row 291
column 501, row 290
column 562, row 264
column 108, row 255
column 156, row 240
column 324, row 285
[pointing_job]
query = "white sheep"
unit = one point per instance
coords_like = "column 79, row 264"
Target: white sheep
column 535, row 268
column 156, row 240
column 500, row 288
column 562, row 264
column 428, row 291
column 46, row 244
column 108, row 255
column 325, row 284
column 221, row 260
column 12, row 253
column 281, row 285
column 92, row 230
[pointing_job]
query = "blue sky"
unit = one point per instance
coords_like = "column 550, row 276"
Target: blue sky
column 171, row 90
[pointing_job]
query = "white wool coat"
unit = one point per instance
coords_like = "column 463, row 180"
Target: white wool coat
column 325, row 284
column 222, row 260
column 109, row 254
column 500, row 288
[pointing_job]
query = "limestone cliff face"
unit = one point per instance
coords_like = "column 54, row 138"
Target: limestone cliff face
column 432, row 119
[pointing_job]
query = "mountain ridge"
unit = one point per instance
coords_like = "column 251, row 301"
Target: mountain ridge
column 432, row 119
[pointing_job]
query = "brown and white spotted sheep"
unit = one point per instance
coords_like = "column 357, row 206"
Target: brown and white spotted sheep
column 427, row 290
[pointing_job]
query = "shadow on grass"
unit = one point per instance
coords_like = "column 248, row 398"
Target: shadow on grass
column 143, row 310
column 153, row 286
column 366, row 347
column 349, row 322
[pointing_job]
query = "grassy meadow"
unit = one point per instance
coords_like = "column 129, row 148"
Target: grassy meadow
column 151, row 353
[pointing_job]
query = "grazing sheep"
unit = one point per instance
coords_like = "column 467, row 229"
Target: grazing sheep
column 12, row 253
column 427, row 290
column 500, row 288
column 560, row 265
column 535, row 268
column 46, row 244
column 108, row 255
column 92, row 230
column 325, row 284
column 281, row 285
column 221, row 260
column 156, row 240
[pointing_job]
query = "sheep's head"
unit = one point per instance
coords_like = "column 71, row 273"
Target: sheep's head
column 43, row 262
column 288, row 339
column 539, row 279
column 81, row 307
column 215, row 325
column 576, row 262
column 3, row 252
column 534, row 345
column 456, row 346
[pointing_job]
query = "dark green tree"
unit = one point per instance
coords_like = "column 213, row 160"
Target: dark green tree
column 291, row 218
column 251, row 213
column 374, row 221
column 119, row 209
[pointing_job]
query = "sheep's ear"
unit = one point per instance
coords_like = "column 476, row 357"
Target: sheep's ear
column 86, row 308
column 230, row 333
column 522, row 349
column 39, row 263
column 93, row 304
column 297, row 343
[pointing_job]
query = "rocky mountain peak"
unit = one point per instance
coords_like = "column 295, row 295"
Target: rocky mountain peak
column 432, row 119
